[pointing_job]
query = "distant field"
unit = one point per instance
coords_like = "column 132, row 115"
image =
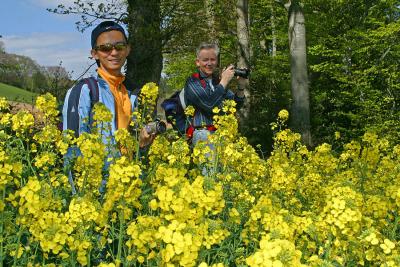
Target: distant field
column 16, row 94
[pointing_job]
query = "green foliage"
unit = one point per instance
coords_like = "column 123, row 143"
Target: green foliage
column 16, row 94
column 181, row 50
column 179, row 68
column 18, row 70
column 270, row 76
column 25, row 73
column 354, row 55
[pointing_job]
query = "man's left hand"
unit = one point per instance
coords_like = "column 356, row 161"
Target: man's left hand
column 145, row 138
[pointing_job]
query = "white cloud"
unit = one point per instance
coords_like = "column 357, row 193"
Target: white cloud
column 118, row 6
column 38, row 40
column 52, row 3
column 67, row 3
column 49, row 49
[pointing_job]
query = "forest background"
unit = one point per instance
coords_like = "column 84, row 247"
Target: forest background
column 333, row 64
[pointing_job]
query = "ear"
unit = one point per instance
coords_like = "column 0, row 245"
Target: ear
column 94, row 54
column 197, row 62
column 128, row 50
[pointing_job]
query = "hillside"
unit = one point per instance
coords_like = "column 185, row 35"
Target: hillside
column 13, row 93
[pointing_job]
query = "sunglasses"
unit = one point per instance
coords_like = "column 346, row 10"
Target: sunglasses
column 109, row 47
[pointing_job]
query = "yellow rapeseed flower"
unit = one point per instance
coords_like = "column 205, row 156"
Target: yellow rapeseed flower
column 22, row 122
column 189, row 111
column 387, row 246
column 47, row 104
column 283, row 115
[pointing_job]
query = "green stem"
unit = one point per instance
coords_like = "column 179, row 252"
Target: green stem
column 82, row 191
column 395, row 226
column 16, row 253
column 72, row 259
column 1, row 229
column 36, row 250
column 88, row 258
column 216, row 158
column 137, row 148
column 121, row 229
column 27, row 154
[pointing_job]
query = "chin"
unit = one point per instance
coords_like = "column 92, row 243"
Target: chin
column 114, row 67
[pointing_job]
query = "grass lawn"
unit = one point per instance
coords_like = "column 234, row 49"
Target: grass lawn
column 13, row 93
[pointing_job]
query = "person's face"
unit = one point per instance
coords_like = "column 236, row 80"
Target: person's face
column 112, row 59
column 207, row 61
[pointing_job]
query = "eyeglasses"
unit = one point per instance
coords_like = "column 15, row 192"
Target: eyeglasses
column 109, row 47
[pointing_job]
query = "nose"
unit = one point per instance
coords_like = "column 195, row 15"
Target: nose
column 114, row 51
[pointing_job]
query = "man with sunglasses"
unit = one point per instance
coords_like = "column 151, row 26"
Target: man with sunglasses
column 110, row 50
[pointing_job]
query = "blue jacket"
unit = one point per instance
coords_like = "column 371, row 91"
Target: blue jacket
column 80, row 94
column 204, row 95
column 77, row 115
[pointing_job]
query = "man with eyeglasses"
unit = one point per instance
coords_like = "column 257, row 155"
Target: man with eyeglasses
column 110, row 50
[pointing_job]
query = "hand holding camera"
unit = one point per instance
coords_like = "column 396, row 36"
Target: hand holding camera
column 229, row 72
column 149, row 132
column 156, row 127
column 227, row 75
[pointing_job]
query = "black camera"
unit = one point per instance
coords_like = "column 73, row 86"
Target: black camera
column 244, row 73
column 156, row 127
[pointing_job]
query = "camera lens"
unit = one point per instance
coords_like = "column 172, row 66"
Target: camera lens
column 161, row 127
column 244, row 73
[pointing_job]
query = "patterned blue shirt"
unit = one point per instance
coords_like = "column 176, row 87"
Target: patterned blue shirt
column 204, row 95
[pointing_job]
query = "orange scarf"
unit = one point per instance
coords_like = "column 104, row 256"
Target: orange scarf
column 123, row 108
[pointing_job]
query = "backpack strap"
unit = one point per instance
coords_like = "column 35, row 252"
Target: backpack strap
column 72, row 116
column 93, row 86
column 72, row 119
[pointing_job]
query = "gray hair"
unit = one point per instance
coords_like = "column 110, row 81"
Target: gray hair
column 203, row 46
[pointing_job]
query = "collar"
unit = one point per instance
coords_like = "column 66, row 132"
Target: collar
column 111, row 79
column 202, row 75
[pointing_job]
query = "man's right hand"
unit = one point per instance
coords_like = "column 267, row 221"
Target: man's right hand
column 227, row 75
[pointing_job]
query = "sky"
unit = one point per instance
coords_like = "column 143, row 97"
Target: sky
column 28, row 29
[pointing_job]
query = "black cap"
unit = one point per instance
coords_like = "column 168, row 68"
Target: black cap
column 106, row 26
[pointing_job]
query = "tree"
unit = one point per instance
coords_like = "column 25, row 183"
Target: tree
column 243, row 49
column 144, row 64
column 143, row 20
column 39, row 82
column 153, row 26
column 345, row 78
column 2, row 47
column 18, row 70
column 209, row 6
column 58, row 81
column 354, row 48
column 300, row 111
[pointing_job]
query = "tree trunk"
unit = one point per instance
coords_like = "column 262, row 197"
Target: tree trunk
column 210, row 18
column 273, row 47
column 273, row 30
column 300, row 113
column 243, row 36
column 144, row 63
